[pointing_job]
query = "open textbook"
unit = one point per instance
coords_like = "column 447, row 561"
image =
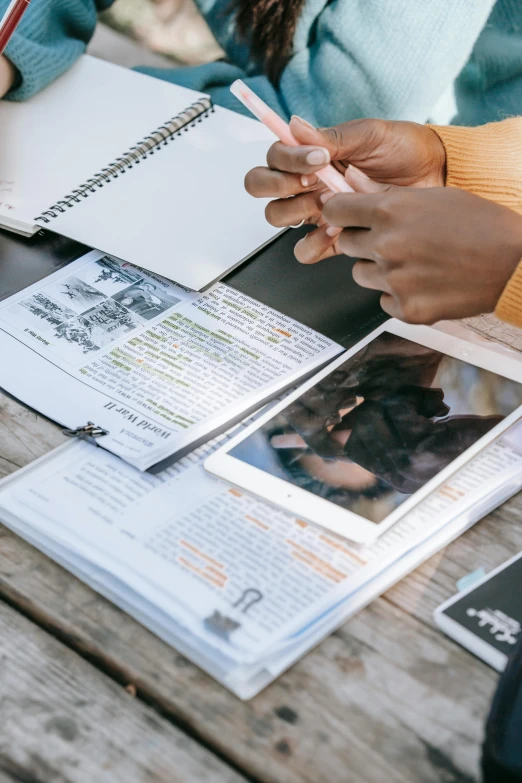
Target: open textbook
column 148, row 171
column 159, row 368
column 242, row 588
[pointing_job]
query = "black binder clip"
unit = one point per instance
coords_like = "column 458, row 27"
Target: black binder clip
column 221, row 625
column 88, row 431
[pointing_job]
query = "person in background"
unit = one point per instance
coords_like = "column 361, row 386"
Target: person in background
column 328, row 61
column 435, row 252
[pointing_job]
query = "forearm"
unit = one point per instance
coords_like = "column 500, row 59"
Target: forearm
column 486, row 160
column 50, row 37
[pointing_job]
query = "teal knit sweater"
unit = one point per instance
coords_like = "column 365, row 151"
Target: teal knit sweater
column 351, row 58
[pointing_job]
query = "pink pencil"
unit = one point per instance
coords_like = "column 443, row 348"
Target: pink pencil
column 332, row 178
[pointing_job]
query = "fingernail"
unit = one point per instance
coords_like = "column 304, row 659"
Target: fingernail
column 303, row 122
column 326, row 196
column 300, row 244
column 318, row 157
column 333, row 231
column 308, row 181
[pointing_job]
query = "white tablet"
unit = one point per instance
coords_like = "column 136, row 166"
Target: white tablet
column 371, row 435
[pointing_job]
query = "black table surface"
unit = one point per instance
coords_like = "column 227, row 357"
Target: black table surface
column 322, row 296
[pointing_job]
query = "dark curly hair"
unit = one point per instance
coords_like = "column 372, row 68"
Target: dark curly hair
column 269, row 26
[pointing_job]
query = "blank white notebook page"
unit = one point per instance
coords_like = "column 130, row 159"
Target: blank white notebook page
column 58, row 139
column 183, row 212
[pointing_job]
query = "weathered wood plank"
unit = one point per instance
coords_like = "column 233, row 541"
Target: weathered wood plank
column 489, row 543
column 24, row 435
column 65, row 722
column 384, row 698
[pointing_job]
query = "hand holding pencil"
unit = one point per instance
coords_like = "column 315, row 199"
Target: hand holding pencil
column 372, row 155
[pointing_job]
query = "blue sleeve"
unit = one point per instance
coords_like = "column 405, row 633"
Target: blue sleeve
column 50, row 37
column 215, row 79
column 367, row 58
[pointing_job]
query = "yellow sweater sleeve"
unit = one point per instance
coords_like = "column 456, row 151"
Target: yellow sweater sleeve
column 487, row 161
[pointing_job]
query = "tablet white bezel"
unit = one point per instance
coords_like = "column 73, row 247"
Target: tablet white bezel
column 322, row 512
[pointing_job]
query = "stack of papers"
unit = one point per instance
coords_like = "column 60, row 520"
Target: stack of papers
column 240, row 587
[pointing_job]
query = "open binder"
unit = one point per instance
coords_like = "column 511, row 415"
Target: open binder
column 235, row 614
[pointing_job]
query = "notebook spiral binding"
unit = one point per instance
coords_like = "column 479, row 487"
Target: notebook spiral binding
column 164, row 134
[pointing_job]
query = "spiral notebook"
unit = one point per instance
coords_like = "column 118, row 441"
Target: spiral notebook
column 147, row 171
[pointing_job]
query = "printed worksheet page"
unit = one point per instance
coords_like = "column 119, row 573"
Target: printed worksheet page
column 157, row 366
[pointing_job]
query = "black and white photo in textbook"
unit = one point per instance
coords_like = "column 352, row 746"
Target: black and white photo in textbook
column 146, row 299
column 86, row 311
column 93, row 330
column 74, row 293
column 39, row 313
column 109, row 275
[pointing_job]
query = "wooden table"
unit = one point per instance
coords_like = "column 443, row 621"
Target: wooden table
column 89, row 696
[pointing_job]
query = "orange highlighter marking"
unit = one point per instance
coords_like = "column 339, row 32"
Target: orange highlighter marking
column 200, row 554
column 341, row 548
column 200, row 572
column 257, row 522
